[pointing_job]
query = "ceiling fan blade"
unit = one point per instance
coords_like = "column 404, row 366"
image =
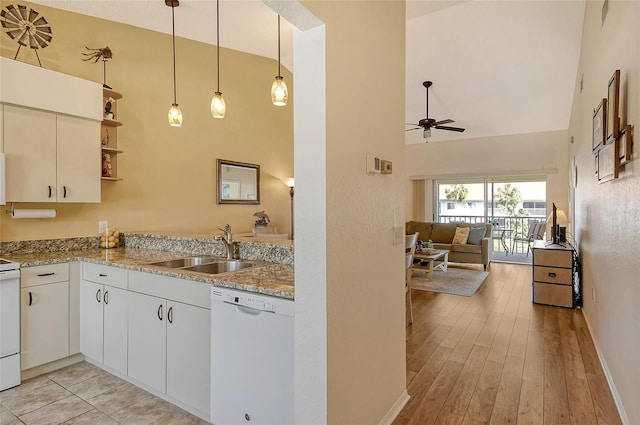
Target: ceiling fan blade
column 444, row 127
column 416, row 128
column 447, row 121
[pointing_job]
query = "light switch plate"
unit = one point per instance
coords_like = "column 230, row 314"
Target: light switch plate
column 398, row 235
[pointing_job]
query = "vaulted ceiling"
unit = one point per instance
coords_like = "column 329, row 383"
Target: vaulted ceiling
column 498, row 67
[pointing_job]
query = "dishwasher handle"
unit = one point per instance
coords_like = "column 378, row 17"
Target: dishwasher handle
column 248, row 310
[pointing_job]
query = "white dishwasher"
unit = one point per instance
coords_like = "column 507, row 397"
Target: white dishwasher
column 251, row 358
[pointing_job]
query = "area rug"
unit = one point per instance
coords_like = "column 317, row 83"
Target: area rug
column 454, row 281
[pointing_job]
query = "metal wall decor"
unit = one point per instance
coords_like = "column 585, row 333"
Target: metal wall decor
column 27, row 27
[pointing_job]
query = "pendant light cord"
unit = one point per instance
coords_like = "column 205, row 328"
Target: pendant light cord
column 173, row 30
column 218, row 38
column 279, row 73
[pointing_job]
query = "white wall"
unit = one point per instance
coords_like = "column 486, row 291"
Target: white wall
column 515, row 155
column 607, row 215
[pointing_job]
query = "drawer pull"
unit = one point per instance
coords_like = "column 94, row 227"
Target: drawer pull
column 160, row 312
column 102, row 275
column 552, row 274
column 30, row 298
column 98, row 295
column 46, row 274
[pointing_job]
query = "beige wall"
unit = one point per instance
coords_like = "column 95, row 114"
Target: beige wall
column 515, row 155
column 607, row 215
column 365, row 281
column 169, row 173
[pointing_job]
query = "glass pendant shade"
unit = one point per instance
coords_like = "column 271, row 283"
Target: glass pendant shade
column 175, row 116
column 218, row 107
column 279, row 92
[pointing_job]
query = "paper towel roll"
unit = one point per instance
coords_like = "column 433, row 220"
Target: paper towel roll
column 32, row 213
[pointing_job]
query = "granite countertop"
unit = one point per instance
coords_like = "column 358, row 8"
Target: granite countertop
column 265, row 278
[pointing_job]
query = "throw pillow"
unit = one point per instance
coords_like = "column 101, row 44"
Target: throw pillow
column 461, row 236
column 475, row 235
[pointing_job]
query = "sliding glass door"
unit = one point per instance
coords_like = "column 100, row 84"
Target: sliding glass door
column 512, row 204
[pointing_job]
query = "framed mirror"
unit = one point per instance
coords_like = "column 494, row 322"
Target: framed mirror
column 238, row 183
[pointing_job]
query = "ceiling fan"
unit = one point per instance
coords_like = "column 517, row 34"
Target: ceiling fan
column 426, row 124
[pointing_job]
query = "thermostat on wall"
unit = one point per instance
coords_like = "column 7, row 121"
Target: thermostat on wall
column 374, row 164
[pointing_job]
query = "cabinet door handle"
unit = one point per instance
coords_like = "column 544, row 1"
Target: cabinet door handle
column 30, row 298
column 46, row 274
column 98, row 295
column 64, row 191
column 552, row 274
column 106, row 297
column 50, row 193
column 170, row 315
column 160, row 312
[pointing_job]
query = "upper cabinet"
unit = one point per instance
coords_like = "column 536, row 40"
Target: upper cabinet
column 50, row 134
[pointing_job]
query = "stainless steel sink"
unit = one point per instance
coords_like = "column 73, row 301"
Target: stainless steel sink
column 185, row 262
column 220, row 267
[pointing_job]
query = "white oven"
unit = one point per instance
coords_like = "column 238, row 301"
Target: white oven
column 9, row 324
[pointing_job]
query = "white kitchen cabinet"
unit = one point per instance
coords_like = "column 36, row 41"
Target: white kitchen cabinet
column 30, row 154
column 188, row 354
column 148, row 340
column 50, row 157
column 169, row 340
column 44, row 314
column 103, row 310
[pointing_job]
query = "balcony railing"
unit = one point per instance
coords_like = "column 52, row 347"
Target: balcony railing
column 505, row 229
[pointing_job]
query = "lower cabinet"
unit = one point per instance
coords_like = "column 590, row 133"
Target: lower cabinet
column 155, row 330
column 44, row 314
column 169, row 346
column 103, row 326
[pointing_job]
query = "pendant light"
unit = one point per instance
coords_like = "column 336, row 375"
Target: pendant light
column 279, row 92
column 175, row 114
column 218, row 107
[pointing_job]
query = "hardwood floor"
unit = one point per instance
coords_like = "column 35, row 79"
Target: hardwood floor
column 496, row 358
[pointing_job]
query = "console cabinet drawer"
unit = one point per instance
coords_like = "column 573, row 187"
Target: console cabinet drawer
column 553, row 258
column 558, row 295
column 552, row 275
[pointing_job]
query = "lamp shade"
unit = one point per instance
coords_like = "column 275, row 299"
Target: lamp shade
column 218, row 107
column 279, row 92
column 175, row 116
column 562, row 218
column 289, row 182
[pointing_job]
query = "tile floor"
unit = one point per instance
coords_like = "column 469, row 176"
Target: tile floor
column 83, row 394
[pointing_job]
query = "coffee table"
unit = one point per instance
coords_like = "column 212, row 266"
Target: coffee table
column 441, row 256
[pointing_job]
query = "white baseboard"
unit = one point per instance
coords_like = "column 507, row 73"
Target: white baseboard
column 612, row 386
column 395, row 409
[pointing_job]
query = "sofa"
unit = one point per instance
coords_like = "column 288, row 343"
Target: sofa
column 477, row 250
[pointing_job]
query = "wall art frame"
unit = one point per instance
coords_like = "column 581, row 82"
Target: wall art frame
column 625, row 145
column 599, row 128
column 607, row 162
column 613, row 108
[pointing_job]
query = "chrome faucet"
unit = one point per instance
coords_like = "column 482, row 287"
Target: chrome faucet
column 227, row 239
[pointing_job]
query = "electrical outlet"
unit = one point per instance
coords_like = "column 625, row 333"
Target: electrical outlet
column 593, row 294
column 103, row 226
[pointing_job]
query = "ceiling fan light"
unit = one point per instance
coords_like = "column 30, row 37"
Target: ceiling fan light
column 218, row 107
column 175, row 116
column 426, row 133
column 279, row 92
